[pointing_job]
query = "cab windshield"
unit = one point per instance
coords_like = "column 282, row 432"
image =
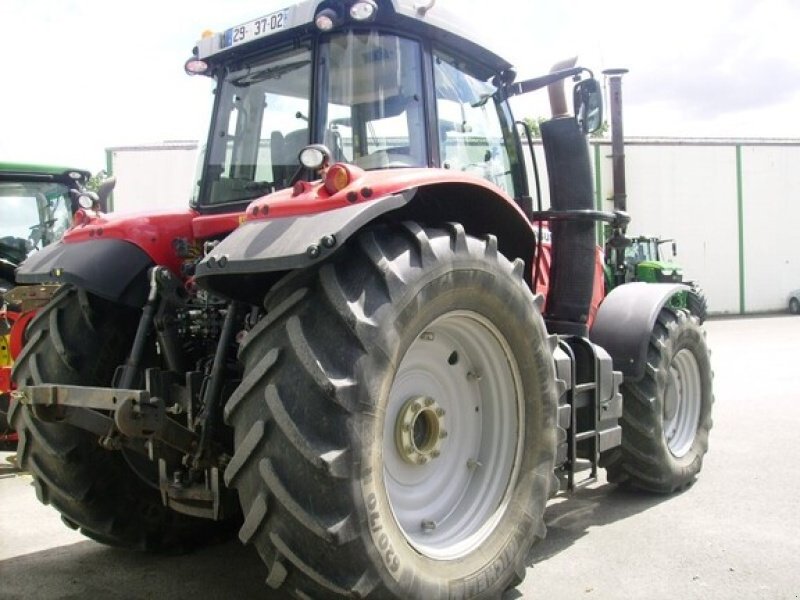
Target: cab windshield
column 641, row 251
column 369, row 112
column 32, row 215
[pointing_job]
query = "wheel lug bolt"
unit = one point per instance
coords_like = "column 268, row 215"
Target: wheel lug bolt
column 428, row 525
column 439, row 412
column 473, row 376
column 443, row 434
column 428, row 336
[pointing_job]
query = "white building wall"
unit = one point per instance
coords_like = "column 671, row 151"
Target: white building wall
column 153, row 177
column 688, row 193
column 690, row 190
column 771, row 202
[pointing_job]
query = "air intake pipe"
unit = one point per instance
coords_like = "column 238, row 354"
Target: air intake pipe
column 572, row 269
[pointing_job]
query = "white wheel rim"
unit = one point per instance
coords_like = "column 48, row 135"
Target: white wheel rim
column 448, row 494
column 683, row 399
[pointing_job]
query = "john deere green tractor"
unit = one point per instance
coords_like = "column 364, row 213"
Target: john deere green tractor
column 642, row 259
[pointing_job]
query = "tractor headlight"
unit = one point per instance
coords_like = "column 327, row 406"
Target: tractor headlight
column 315, row 157
column 86, row 200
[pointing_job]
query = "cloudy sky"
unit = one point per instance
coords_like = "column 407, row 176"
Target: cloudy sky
column 79, row 76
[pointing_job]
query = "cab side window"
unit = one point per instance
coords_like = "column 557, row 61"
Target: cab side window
column 470, row 132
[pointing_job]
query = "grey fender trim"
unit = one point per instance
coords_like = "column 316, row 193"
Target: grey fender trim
column 287, row 243
column 625, row 321
column 112, row 269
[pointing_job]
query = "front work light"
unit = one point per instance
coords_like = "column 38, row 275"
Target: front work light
column 315, row 157
column 364, row 10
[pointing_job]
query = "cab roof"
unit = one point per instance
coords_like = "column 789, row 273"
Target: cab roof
column 28, row 172
column 424, row 18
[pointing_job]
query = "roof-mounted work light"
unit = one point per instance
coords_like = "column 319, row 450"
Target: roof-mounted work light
column 364, row 10
column 327, row 19
column 195, row 66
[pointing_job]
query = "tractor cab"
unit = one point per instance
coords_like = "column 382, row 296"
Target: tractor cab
column 36, row 207
column 646, row 261
column 382, row 84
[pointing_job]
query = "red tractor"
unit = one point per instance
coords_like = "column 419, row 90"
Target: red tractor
column 353, row 348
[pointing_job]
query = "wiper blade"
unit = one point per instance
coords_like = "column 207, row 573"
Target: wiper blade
column 264, row 74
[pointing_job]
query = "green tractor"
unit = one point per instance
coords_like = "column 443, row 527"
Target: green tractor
column 37, row 205
column 641, row 258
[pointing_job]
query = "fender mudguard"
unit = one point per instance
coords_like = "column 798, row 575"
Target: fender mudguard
column 110, row 268
column 288, row 243
column 625, row 320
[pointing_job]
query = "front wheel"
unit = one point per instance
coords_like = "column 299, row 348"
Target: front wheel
column 667, row 413
column 395, row 427
column 794, row 306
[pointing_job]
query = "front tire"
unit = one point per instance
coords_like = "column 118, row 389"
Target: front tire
column 666, row 414
column 396, row 424
column 794, row 306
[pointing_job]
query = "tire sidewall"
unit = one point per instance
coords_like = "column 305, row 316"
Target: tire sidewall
column 471, row 284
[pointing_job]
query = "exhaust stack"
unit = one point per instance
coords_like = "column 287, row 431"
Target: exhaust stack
column 617, row 137
column 569, row 170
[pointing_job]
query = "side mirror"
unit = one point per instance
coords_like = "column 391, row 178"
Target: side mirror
column 588, row 102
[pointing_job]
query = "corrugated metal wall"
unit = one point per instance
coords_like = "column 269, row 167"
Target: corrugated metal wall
column 733, row 206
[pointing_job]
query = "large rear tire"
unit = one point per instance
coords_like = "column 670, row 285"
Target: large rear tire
column 79, row 339
column 396, row 424
column 666, row 414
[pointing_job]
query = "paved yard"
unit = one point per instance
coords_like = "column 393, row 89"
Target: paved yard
column 733, row 535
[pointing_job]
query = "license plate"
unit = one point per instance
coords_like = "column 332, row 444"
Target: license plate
column 257, row 28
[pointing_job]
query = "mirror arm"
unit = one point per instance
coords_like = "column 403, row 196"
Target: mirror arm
column 537, row 83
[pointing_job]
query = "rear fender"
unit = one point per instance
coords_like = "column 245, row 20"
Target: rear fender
column 110, row 268
column 625, row 320
column 286, row 232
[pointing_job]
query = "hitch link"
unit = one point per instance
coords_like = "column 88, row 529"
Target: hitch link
column 136, row 414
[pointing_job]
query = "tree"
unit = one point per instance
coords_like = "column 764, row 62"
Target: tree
column 533, row 125
column 93, row 183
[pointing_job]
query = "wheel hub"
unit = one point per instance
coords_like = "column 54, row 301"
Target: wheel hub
column 419, row 430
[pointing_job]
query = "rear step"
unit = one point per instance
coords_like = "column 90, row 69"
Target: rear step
column 589, row 409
